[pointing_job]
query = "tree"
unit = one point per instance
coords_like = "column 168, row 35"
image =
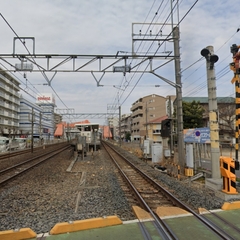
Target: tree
column 227, row 118
column 192, row 115
column 128, row 136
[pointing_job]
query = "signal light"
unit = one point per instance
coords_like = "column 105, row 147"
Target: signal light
column 212, row 58
column 166, row 128
column 205, row 52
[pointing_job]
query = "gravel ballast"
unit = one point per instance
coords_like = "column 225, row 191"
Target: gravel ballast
column 50, row 194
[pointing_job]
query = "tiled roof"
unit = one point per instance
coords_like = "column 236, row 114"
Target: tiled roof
column 158, row 120
column 62, row 125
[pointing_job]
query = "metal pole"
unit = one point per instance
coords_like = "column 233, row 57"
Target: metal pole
column 120, row 140
column 95, row 147
column 171, row 124
column 32, row 132
column 213, row 111
column 146, row 123
column 181, row 154
column 40, row 128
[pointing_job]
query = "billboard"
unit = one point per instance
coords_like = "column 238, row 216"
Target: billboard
column 197, row 135
column 47, row 98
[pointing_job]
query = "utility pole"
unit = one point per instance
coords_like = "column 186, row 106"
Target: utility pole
column 40, row 128
column 146, row 123
column 120, row 140
column 211, row 58
column 32, row 131
column 171, row 123
column 181, row 154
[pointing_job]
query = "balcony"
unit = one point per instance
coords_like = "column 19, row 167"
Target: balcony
column 138, row 111
column 136, row 105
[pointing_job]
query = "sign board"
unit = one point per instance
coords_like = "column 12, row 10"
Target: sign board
column 24, row 67
column 197, row 135
column 45, row 98
column 126, row 68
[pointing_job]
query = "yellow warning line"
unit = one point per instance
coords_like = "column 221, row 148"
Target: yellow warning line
column 231, row 205
column 85, row 224
column 141, row 214
column 23, row 233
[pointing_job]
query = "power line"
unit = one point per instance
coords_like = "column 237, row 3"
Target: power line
column 161, row 44
column 23, row 43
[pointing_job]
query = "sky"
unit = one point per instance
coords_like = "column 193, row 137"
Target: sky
column 94, row 27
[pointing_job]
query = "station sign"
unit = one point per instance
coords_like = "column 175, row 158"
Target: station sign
column 197, row 135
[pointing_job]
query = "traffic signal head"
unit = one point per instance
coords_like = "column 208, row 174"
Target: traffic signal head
column 205, row 52
column 213, row 58
column 166, row 128
column 234, row 49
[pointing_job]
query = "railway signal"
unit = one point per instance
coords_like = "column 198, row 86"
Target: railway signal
column 235, row 67
column 166, row 128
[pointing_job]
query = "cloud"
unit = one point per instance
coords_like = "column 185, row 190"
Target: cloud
column 104, row 27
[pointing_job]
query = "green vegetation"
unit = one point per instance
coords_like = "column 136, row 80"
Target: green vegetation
column 192, row 115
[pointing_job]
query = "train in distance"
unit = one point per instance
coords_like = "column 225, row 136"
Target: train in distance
column 88, row 138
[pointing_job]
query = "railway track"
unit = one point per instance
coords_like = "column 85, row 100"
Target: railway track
column 9, row 173
column 151, row 194
column 15, row 153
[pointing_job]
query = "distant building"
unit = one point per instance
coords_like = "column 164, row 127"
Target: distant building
column 113, row 124
column 146, row 109
column 106, row 132
column 125, row 125
column 16, row 111
column 38, row 117
column 154, row 129
column 9, row 105
column 47, row 103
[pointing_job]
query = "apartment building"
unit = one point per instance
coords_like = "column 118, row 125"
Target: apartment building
column 146, row 109
column 37, row 118
column 9, row 104
column 113, row 123
column 126, row 120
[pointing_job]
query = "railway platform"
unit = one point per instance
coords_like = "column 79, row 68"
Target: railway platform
column 184, row 225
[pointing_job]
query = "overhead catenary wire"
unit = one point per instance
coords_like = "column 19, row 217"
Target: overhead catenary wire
column 219, row 75
column 136, row 70
column 161, row 44
column 23, row 43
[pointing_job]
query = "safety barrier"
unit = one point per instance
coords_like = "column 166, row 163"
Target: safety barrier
column 227, row 167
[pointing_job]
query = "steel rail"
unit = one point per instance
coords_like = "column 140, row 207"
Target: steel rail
column 165, row 231
column 46, row 155
column 179, row 203
column 22, row 151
